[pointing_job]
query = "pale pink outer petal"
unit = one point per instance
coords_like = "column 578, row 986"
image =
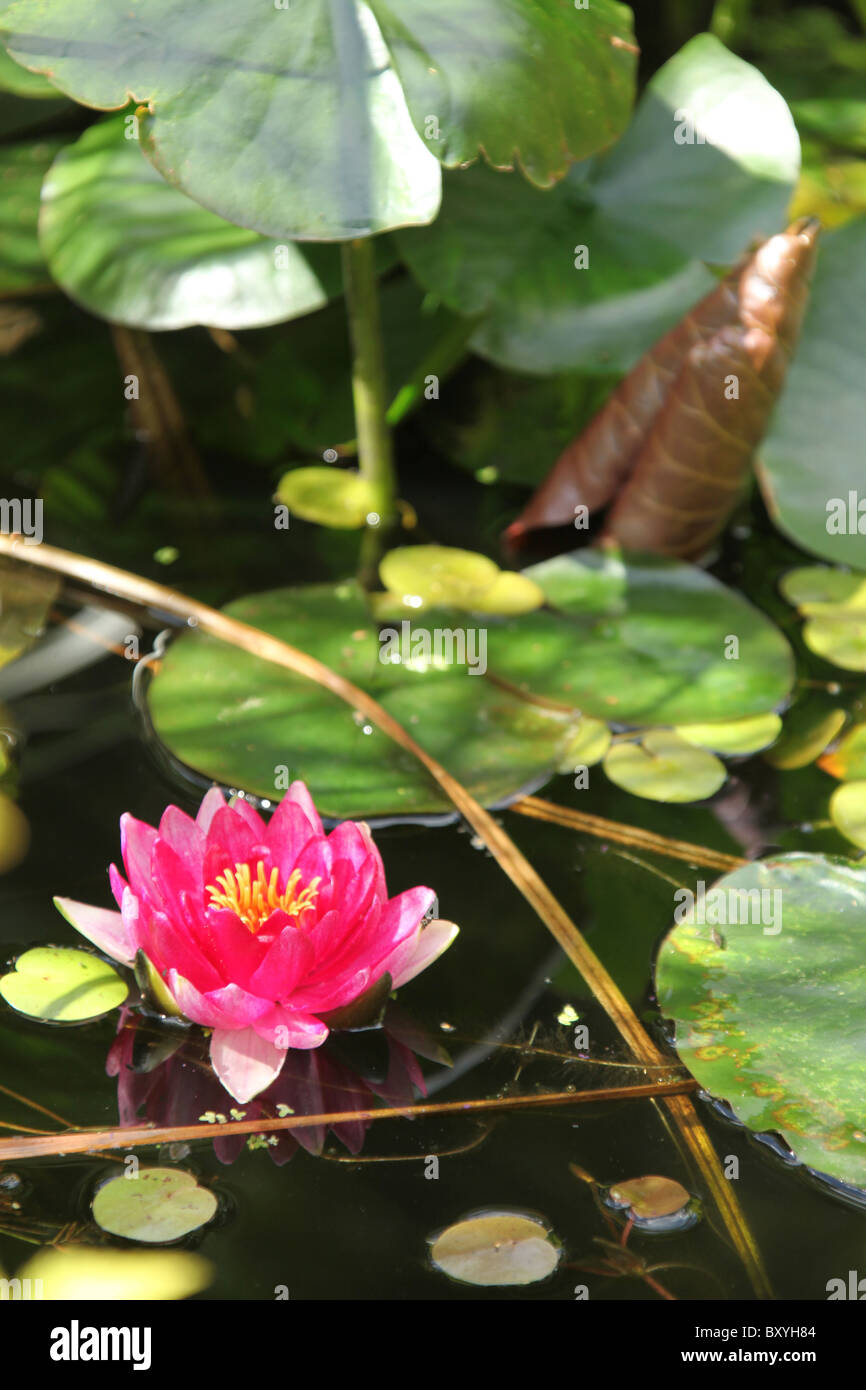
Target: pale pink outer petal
column 229, row 1008
column 245, row 1062
column 212, row 802
column 292, row 1028
column 104, row 928
column 417, row 952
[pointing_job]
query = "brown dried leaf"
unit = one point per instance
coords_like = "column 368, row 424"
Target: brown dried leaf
column 669, row 445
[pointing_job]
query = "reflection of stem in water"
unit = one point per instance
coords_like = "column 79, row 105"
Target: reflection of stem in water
column 485, row 1127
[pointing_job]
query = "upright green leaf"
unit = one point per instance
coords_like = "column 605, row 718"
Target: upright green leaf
column 131, row 248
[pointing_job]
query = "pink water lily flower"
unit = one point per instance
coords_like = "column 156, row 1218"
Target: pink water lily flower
column 258, row 929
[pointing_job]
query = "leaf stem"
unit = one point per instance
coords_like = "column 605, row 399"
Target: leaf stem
column 369, row 392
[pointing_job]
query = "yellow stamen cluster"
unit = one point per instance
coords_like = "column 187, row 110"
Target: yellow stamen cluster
column 254, row 899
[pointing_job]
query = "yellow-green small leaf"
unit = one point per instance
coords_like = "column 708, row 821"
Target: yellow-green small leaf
column 510, row 594
column 733, row 735
column 848, row 761
column 839, row 636
column 812, row 586
column 62, row 985
column 437, row 574
column 805, row 735
column 586, row 746
column 335, row 497
column 848, row 811
column 663, row 767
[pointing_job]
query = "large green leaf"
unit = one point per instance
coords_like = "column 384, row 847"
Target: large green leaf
column 133, row 249
column 640, row 639
column 648, row 214
column 22, row 169
column 813, row 454
column 774, row 1020
column 297, row 120
column 14, row 78
column 239, row 720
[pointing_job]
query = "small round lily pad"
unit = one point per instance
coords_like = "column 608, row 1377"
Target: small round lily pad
column 509, row 595
column 438, row 574
column 335, row 497
column 653, row 1203
column 62, row 985
column 155, row 1205
column 496, row 1248
column 664, row 767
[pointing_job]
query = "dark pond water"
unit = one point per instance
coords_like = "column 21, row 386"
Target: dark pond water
column 357, row 1226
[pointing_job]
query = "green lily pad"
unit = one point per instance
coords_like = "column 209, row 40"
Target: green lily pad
column 155, row 1205
column 734, row 736
column 335, row 497
column 788, row 1058
column 313, row 121
column 15, row 79
column 820, row 414
column 840, row 638
column 22, row 169
column 815, row 589
column 848, row 811
column 664, row 767
column 848, row 760
column 130, row 247
column 498, row 1248
column 643, row 640
column 594, row 271
column 62, row 985
column 242, row 722
column 509, row 595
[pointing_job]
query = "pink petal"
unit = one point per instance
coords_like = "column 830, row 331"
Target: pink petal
column 212, row 802
column 286, row 962
column 186, row 839
column 236, row 951
column 104, row 928
column 298, row 794
column 136, row 843
column 245, row 1062
column 230, row 1007
column 402, row 914
column 417, row 952
column 333, row 991
column 295, row 1029
column 287, row 833
column 118, row 883
column 231, row 832
column 242, row 808
column 168, row 945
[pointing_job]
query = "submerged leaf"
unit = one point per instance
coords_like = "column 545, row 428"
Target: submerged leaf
column 496, row 1248
column 153, row 1205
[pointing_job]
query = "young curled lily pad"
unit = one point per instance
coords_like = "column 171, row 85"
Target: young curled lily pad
column 807, row 729
column 61, row 984
column 664, row 767
column 770, row 1012
column 496, row 1248
column 155, row 1205
column 336, row 497
column 733, row 736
